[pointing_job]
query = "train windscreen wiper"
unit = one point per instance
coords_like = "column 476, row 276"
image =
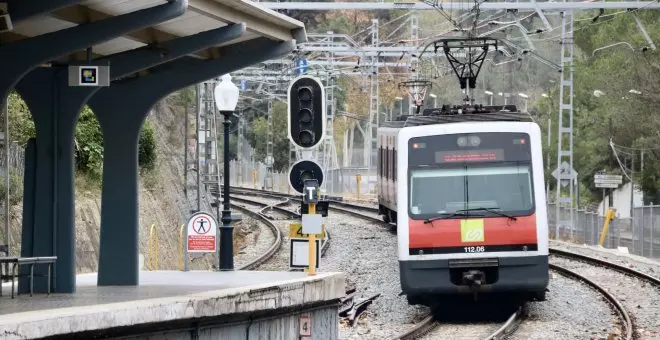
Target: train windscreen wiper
column 489, row 210
column 449, row 215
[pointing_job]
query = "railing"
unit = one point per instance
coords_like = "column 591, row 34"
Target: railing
column 153, row 248
column 181, row 246
column 641, row 235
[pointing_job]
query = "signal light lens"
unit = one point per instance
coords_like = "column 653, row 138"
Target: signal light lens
column 305, row 94
column 306, row 137
column 306, row 175
column 305, row 116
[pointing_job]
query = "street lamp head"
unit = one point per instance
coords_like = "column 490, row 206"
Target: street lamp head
column 226, row 94
column 432, row 95
column 523, row 95
column 398, row 98
column 488, row 93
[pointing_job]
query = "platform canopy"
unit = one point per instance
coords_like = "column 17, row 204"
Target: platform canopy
column 201, row 15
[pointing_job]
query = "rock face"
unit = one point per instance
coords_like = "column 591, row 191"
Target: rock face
column 162, row 201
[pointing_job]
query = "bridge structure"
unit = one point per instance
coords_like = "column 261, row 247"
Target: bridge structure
column 151, row 48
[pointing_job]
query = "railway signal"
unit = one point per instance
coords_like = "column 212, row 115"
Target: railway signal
column 304, row 170
column 307, row 112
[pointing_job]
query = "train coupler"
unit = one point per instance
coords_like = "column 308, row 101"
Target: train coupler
column 474, row 279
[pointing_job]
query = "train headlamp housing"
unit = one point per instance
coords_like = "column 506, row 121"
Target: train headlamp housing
column 464, row 141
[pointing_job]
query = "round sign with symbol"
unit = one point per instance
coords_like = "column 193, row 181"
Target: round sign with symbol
column 202, row 232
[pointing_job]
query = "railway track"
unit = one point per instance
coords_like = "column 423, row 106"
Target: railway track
column 268, row 219
column 273, row 248
column 626, row 320
column 429, row 323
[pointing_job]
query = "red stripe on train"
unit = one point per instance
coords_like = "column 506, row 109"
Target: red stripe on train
column 447, row 233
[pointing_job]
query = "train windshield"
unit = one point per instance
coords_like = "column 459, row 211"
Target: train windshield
column 485, row 171
column 505, row 187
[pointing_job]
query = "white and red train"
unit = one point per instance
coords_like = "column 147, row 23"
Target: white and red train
column 466, row 191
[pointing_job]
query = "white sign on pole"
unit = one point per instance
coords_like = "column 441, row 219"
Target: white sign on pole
column 299, row 255
column 202, row 231
column 609, row 178
column 607, row 185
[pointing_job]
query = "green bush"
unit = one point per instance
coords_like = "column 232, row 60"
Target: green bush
column 15, row 188
column 89, row 144
column 89, row 150
column 147, row 148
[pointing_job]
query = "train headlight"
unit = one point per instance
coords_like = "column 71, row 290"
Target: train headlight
column 474, row 140
column 462, row 141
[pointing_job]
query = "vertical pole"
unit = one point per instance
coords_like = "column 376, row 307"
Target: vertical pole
column 185, row 150
column 565, row 126
column 357, row 181
column 547, row 162
column 226, row 234
column 5, row 111
column 312, row 244
column 632, row 194
column 185, row 247
column 197, row 166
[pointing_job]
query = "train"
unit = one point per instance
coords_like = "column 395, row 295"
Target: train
column 465, row 188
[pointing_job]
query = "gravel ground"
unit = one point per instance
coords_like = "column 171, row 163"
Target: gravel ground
column 572, row 310
column 639, row 298
column 258, row 238
column 642, row 264
column 367, row 253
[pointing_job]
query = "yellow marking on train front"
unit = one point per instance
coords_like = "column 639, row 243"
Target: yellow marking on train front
column 472, row 230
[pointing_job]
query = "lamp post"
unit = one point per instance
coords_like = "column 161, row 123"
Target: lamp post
column 226, row 99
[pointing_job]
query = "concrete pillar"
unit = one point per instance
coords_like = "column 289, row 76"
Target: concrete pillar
column 121, row 110
column 55, row 109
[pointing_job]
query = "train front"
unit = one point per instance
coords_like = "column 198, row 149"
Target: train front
column 475, row 217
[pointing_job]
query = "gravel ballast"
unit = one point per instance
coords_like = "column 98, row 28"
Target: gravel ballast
column 640, row 298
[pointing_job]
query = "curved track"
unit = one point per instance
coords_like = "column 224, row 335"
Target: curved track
column 272, row 250
column 268, row 219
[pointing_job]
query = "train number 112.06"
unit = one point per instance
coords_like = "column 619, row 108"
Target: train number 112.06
column 477, row 249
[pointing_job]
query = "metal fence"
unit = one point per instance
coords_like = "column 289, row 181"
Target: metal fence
column 340, row 182
column 641, row 237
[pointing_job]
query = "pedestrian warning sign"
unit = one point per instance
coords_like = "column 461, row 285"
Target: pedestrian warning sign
column 202, row 231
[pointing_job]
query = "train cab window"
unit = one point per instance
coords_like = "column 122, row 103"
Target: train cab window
column 504, row 187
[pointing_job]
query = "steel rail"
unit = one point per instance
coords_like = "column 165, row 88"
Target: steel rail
column 326, row 243
column 623, row 314
column 273, row 248
column 610, row 265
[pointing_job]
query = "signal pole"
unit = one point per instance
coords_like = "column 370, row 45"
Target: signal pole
column 306, row 120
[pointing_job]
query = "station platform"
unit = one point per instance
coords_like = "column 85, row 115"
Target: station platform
column 182, row 305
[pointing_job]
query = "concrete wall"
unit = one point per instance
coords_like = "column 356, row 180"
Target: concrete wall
column 325, row 326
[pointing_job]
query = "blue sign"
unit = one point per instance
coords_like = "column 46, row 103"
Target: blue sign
column 301, row 66
column 243, row 85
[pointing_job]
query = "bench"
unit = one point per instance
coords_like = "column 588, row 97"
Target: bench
column 15, row 262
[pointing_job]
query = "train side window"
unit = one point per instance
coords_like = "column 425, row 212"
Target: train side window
column 390, row 165
column 394, row 164
column 387, row 161
column 380, row 160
